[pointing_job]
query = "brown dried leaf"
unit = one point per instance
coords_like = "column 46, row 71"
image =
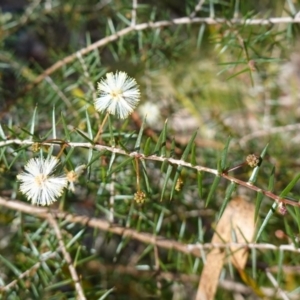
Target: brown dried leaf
column 236, row 225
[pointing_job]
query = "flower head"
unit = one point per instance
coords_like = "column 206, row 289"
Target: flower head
column 152, row 113
column 72, row 176
column 119, row 94
column 282, row 208
column 39, row 184
column 139, row 197
column 253, row 160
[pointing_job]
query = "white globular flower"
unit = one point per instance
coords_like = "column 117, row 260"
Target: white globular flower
column 39, row 184
column 151, row 112
column 119, row 95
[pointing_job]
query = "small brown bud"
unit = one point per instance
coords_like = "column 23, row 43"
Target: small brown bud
column 282, row 208
column 280, row 234
column 72, row 176
column 253, row 160
column 179, row 184
column 139, row 197
column 35, row 147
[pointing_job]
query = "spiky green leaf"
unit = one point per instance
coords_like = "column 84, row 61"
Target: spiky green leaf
column 266, row 220
column 167, row 177
column 229, row 191
column 212, row 189
column 259, row 198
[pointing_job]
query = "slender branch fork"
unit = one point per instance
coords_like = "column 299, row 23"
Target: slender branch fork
column 67, row 257
column 153, row 25
column 62, row 248
column 53, row 215
column 173, row 161
column 144, row 237
column 29, row 272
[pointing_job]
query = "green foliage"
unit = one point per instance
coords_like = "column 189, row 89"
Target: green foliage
column 219, row 86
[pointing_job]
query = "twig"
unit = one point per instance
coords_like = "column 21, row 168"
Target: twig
column 153, row 25
column 274, row 282
column 28, row 12
column 269, row 131
column 262, row 246
column 87, row 75
column 67, row 257
column 286, row 269
column 198, row 7
column 243, row 289
column 112, row 198
column 182, row 277
column 133, row 12
column 160, row 159
column 28, row 272
column 192, row 249
column 59, row 92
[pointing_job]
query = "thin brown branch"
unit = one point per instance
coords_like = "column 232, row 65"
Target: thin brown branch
column 160, row 159
column 243, row 289
column 153, row 25
column 228, row 285
column 133, row 12
column 100, row 224
column 67, row 257
column 192, row 249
